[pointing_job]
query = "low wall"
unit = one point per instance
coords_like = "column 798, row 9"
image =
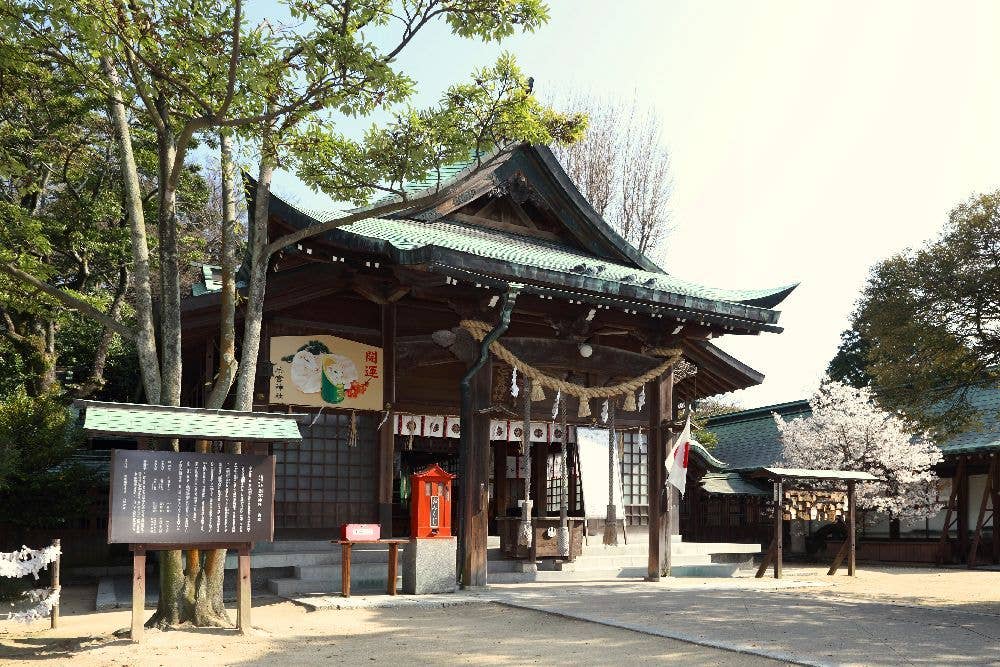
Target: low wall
column 890, row 551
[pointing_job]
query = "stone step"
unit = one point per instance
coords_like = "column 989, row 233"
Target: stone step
column 597, row 563
column 364, row 577
column 285, row 559
column 314, row 572
column 711, row 570
column 293, row 545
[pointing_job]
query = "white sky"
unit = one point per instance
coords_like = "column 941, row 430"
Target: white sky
column 809, row 138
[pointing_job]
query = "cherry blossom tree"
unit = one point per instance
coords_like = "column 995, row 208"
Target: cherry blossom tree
column 847, row 430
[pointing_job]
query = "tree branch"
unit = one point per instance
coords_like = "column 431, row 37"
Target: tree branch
column 70, row 301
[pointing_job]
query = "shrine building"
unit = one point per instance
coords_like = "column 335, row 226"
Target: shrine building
column 400, row 336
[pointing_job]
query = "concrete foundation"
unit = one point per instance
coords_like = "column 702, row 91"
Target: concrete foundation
column 429, row 566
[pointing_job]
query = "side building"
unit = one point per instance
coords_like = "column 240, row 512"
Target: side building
column 723, row 505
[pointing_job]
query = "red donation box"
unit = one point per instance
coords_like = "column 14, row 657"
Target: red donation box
column 430, row 503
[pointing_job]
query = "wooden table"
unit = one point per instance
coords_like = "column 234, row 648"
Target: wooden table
column 345, row 563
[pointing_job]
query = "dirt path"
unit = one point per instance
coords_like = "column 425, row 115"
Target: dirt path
column 286, row 634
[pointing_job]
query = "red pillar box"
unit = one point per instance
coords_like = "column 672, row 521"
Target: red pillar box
column 430, row 504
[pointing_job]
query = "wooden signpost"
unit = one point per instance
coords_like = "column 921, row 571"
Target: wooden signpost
column 162, row 501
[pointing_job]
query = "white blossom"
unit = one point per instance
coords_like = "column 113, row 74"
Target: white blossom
column 848, row 431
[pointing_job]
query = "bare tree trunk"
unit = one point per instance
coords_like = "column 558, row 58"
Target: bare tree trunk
column 254, row 313
column 170, row 280
column 96, row 379
column 208, row 608
column 227, row 334
column 146, row 336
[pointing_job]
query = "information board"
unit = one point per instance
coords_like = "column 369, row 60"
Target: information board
column 189, row 498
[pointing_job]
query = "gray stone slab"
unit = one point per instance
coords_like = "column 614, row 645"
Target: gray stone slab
column 793, row 625
column 429, row 566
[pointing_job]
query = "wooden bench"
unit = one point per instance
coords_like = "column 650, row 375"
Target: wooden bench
column 345, row 563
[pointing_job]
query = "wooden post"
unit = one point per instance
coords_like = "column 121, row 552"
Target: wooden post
column 851, row 528
column 345, row 569
column 386, row 436
column 660, row 411
column 768, row 558
column 996, row 508
column 57, row 543
column 988, row 494
column 138, row 590
column 393, row 565
column 838, row 559
column 243, row 600
column 963, row 510
column 501, row 499
column 475, row 489
column 779, row 503
column 944, row 549
column 539, row 479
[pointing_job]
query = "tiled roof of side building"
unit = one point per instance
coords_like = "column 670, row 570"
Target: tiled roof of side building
column 749, row 438
column 987, row 436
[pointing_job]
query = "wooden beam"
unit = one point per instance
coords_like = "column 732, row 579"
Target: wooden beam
column 837, row 560
column 768, row 558
column 963, row 510
column 521, row 214
column 660, row 414
column 984, row 510
column 386, row 437
column 478, row 221
column 944, row 550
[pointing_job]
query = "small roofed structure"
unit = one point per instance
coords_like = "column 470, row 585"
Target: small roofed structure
column 778, row 477
column 164, row 421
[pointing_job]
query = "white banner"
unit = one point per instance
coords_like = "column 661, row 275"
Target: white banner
column 592, row 444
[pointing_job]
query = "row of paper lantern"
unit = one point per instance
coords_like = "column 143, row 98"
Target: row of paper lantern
column 444, row 426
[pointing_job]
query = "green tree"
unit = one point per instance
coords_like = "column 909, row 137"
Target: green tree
column 927, row 325
column 39, row 485
column 197, row 70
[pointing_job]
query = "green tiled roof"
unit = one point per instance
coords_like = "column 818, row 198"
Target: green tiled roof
column 506, row 247
column 731, row 483
column 749, row 439
column 158, row 421
column 987, row 437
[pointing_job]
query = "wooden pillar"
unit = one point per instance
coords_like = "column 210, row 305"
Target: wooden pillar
column 539, row 479
column 385, row 435
column 778, row 539
column 55, row 582
column 660, row 411
column 474, row 460
column 963, row 510
column 574, row 480
column 138, row 591
column 501, row 497
column 851, row 532
column 243, row 600
column 996, row 508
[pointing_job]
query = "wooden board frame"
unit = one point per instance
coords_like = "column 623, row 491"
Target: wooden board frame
column 243, row 595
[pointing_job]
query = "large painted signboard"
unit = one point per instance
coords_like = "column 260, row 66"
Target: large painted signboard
column 188, row 498
column 592, row 445
column 326, row 371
